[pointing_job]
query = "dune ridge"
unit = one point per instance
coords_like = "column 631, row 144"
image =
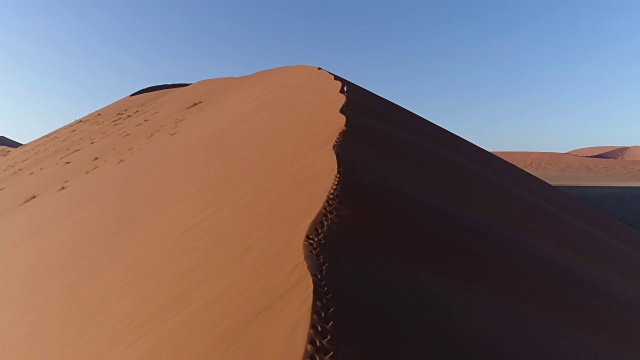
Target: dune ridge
column 321, row 324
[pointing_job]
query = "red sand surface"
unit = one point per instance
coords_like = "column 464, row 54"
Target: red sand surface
column 171, row 225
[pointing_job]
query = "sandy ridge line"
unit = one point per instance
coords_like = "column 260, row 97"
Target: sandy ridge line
column 318, row 345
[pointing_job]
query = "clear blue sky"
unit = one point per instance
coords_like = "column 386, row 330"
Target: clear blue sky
column 506, row 75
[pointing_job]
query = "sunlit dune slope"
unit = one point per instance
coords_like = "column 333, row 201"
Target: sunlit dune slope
column 169, row 225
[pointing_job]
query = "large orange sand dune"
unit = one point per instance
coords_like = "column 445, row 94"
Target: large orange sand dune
column 171, row 224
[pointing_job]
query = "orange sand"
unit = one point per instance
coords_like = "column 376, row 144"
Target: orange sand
column 170, row 224
column 4, row 150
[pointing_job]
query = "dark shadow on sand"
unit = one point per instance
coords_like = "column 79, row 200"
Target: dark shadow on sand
column 158, row 88
column 441, row 250
column 4, row 141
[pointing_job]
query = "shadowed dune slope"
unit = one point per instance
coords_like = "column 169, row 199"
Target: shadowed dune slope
column 169, row 225
column 589, row 170
column 6, row 142
column 440, row 250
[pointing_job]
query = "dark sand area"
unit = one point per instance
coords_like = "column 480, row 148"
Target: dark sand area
column 440, row 250
column 619, row 202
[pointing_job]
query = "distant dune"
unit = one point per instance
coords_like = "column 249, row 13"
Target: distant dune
column 594, row 151
column 6, row 142
column 176, row 224
column 594, row 166
column 609, row 152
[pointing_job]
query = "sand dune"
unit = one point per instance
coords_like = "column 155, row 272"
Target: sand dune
column 170, row 224
column 602, row 166
column 624, row 153
column 176, row 224
column 609, row 152
column 594, row 150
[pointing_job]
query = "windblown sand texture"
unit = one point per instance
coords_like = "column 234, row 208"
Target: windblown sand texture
column 176, row 224
column 170, row 224
column 594, row 166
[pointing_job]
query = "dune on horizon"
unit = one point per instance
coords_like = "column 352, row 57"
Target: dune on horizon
column 293, row 214
column 609, row 152
column 5, row 142
column 593, row 166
